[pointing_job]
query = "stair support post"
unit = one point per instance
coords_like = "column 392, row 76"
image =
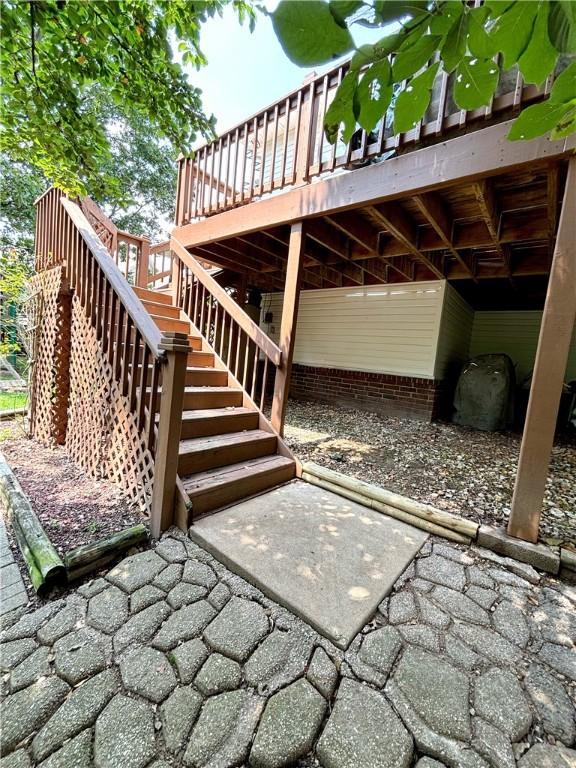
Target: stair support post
column 549, row 369
column 143, row 263
column 288, row 325
column 169, row 428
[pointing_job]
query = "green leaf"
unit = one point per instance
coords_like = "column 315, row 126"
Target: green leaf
column 368, row 54
column 562, row 26
column 537, row 120
column 374, row 95
column 511, row 32
column 412, row 103
column 476, row 81
column 454, row 46
column 442, row 23
column 341, row 110
column 479, row 41
column 308, row 32
column 498, row 7
column 565, row 126
column 387, row 11
column 414, row 57
column 539, row 58
column 342, row 9
column 564, row 88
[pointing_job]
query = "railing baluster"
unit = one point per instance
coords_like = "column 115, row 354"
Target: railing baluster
column 141, row 399
column 264, row 381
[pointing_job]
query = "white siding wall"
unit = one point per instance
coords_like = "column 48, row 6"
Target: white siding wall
column 516, row 334
column 383, row 328
column 455, row 330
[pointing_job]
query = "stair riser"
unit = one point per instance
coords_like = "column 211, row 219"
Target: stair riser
column 195, row 343
column 168, row 324
column 239, row 489
column 211, row 377
column 208, row 378
column 146, row 295
column 221, row 425
column 201, row 400
column 162, row 310
column 201, row 359
column 202, row 461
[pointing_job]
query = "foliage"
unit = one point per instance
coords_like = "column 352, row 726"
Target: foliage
column 54, row 51
column 15, row 270
column 21, row 185
column 421, row 37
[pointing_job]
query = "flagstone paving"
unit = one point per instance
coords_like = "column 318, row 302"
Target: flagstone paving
column 172, row 660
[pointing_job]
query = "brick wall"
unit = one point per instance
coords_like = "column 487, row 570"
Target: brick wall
column 380, row 392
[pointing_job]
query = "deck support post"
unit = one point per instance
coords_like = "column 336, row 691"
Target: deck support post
column 549, row 370
column 288, row 325
column 169, row 428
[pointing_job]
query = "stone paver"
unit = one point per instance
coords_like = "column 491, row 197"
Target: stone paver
column 289, row 726
column 78, row 712
column 171, row 660
column 223, row 732
column 136, row 571
column 499, row 699
column 81, row 654
column 13, row 593
column 124, row 735
column 363, row 730
column 148, row 673
column 553, row 705
column 322, row 673
column 437, row 691
column 237, row 629
column 278, row 660
column 218, row 674
column 178, row 714
column 108, row 610
column 547, row 756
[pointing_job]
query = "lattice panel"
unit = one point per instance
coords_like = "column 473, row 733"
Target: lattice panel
column 102, row 434
column 52, row 354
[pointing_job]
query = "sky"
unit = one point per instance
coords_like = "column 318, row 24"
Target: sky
column 247, row 71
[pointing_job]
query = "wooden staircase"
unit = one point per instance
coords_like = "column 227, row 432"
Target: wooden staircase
column 227, row 451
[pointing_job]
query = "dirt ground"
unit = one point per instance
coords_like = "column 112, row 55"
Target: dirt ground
column 73, row 508
column 461, row 470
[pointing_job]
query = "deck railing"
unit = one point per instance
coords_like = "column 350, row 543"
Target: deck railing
column 249, row 354
column 284, row 145
column 148, row 366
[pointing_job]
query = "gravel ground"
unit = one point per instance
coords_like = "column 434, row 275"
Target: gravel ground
column 460, row 470
column 73, row 508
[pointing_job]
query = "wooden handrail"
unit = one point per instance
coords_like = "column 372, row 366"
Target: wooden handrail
column 131, row 303
column 253, row 331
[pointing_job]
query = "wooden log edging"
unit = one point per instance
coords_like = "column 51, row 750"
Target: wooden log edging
column 402, row 508
column 6, row 415
column 91, row 557
column 42, row 560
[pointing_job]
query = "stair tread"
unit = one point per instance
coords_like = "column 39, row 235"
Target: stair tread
column 214, row 413
column 204, row 481
column 225, row 440
column 213, row 390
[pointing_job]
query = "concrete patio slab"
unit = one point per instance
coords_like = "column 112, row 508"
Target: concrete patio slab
column 325, row 558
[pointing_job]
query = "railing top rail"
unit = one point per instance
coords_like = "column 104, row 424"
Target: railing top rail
column 268, row 347
column 132, row 304
column 160, row 247
column 319, row 79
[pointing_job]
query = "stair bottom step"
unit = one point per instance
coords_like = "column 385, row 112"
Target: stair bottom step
column 218, row 487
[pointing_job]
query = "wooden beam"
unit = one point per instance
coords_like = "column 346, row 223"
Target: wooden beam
column 548, row 377
column 553, row 194
column 400, row 226
column 457, row 160
column 436, row 213
column 288, row 326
